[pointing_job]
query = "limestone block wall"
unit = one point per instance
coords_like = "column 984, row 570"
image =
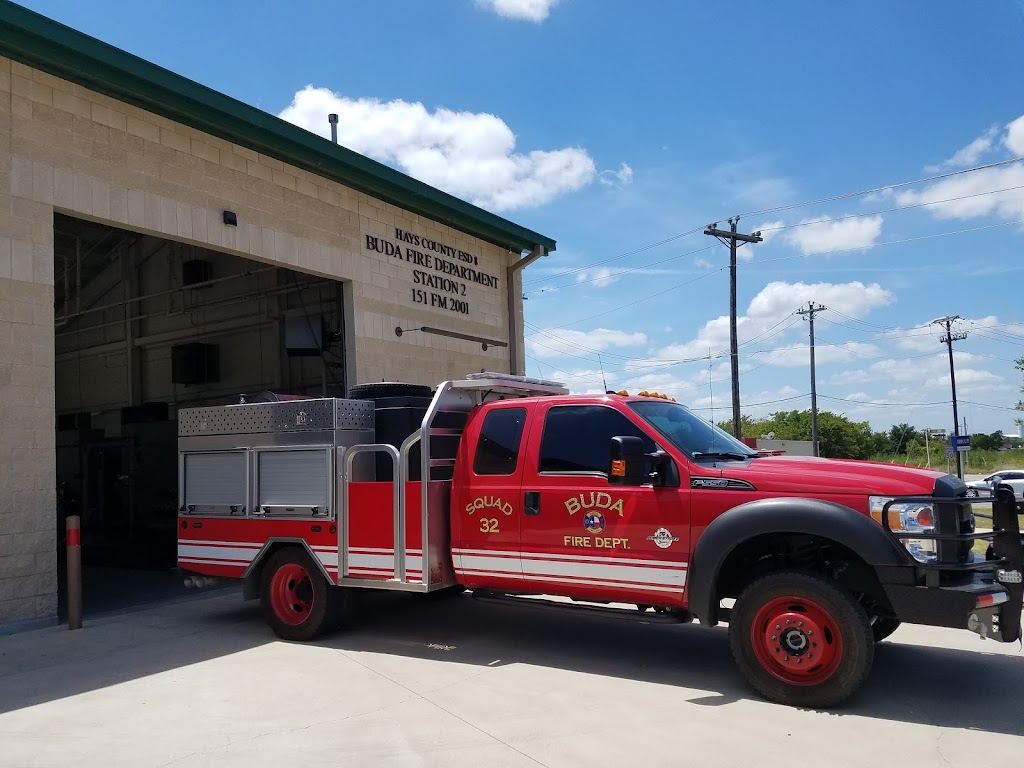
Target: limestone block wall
column 67, row 149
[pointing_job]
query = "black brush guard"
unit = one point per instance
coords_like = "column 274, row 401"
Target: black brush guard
column 958, row 572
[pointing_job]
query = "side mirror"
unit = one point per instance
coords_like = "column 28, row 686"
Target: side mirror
column 627, row 461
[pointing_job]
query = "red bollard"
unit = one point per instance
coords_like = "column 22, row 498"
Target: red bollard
column 74, row 543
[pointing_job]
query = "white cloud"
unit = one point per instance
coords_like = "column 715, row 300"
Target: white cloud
column 1014, row 139
column 769, row 230
column 825, row 234
column 770, row 307
column 601, row 277
column 930, row 373
column 521, row 10
column 560, row 341
column 971, row 195
column 798, row 355
column 974, row 187
column 971, row 154
column 468, row 154
column 854, row 299
column 622, row 177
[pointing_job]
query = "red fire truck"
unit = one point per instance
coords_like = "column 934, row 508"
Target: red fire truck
column 516, row 490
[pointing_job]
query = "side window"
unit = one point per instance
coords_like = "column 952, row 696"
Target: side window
column 497, row 452
column 577, row 438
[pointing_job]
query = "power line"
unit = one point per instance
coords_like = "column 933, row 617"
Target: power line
column 890, row 210
column 615, row 275
column 804, row 204
column 883, row 404
column 781, row 227
column 610, row 259
column 789, row 258
column 887, row 187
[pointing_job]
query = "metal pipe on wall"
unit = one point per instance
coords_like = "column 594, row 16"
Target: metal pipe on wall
column 204, row 284
column 226, row 302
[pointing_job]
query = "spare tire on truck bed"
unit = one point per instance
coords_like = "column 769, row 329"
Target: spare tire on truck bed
column 380, row 389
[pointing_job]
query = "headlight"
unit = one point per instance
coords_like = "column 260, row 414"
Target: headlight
column 911, row 517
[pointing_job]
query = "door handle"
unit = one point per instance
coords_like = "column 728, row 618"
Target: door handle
column 531, row 503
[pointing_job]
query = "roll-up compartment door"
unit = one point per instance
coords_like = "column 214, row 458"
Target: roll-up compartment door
column 294, row 481
column 215, row 482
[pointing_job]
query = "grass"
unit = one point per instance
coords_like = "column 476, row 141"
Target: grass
column 980, row 545
column 977, row 462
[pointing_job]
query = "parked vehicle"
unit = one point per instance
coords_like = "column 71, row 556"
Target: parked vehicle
column 1011, row 479
column 511, row 487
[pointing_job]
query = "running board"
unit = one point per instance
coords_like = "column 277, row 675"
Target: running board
column 649, row 616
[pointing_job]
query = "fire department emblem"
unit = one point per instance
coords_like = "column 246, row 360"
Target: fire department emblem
column 593, row 521
column 663, row 538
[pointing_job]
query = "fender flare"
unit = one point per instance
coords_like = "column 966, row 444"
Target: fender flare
column 250, row 577
column 815, row 517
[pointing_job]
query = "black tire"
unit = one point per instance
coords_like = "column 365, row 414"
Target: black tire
column 297, row 601
column 388, row 389
column 808, row 600
column 882, row 628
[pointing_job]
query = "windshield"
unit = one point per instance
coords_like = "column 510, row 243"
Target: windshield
column 689, row 433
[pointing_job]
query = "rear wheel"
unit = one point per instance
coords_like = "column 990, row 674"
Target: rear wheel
column 799, row 640
column 298, row 602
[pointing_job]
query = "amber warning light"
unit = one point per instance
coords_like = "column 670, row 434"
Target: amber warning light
column 619, row 468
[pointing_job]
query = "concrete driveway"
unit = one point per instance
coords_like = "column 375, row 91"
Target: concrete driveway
column 464, row 683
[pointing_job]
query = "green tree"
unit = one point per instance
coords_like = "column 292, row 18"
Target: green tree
column 900, row 436
column 993, row 442
column 838, row 437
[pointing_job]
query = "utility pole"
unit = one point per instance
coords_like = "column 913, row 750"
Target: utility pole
column 730, row 238
column 808, row 314
column 948, row 339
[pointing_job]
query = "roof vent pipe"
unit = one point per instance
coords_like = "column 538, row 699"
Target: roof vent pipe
column 333, row 120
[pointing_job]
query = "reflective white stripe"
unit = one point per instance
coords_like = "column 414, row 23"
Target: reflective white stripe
column 588, row 582
column 212, row 543
column 671, row 564
column 202, row 561
column 379, row 551
column 554, row 569
column 328, row 558
column 235, row 554
column 383, row 562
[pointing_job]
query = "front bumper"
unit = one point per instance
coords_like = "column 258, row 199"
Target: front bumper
column 958, row 589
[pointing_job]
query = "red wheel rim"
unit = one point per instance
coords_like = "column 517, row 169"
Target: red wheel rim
column 797, row 640
column 291, row 594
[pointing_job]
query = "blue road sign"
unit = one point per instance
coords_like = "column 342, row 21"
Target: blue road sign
column 962, row 442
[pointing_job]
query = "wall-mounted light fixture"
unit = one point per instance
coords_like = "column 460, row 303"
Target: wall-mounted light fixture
column 231, row 218
column 484, row 343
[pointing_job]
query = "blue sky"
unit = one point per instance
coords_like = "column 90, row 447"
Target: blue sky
column 613, row 126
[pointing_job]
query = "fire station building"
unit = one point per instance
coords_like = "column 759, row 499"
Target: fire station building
column 163, row 246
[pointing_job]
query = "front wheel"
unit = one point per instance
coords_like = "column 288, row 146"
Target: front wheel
column 800, row 640
column 297, row 601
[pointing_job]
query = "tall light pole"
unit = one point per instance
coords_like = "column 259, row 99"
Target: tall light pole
column 730, row 237
column 948, row 339
column 808, row 314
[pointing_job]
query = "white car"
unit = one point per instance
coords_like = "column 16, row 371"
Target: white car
column 1013, row 479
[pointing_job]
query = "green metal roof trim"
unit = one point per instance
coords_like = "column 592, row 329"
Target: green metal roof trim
column 44, row 44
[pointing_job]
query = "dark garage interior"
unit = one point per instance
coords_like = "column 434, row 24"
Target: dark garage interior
column 145, row 326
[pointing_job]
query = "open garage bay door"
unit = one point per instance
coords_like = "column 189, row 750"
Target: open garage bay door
column 145, row 326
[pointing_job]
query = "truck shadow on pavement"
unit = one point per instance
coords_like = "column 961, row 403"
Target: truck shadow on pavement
column 944, row 687
column 950, row 688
